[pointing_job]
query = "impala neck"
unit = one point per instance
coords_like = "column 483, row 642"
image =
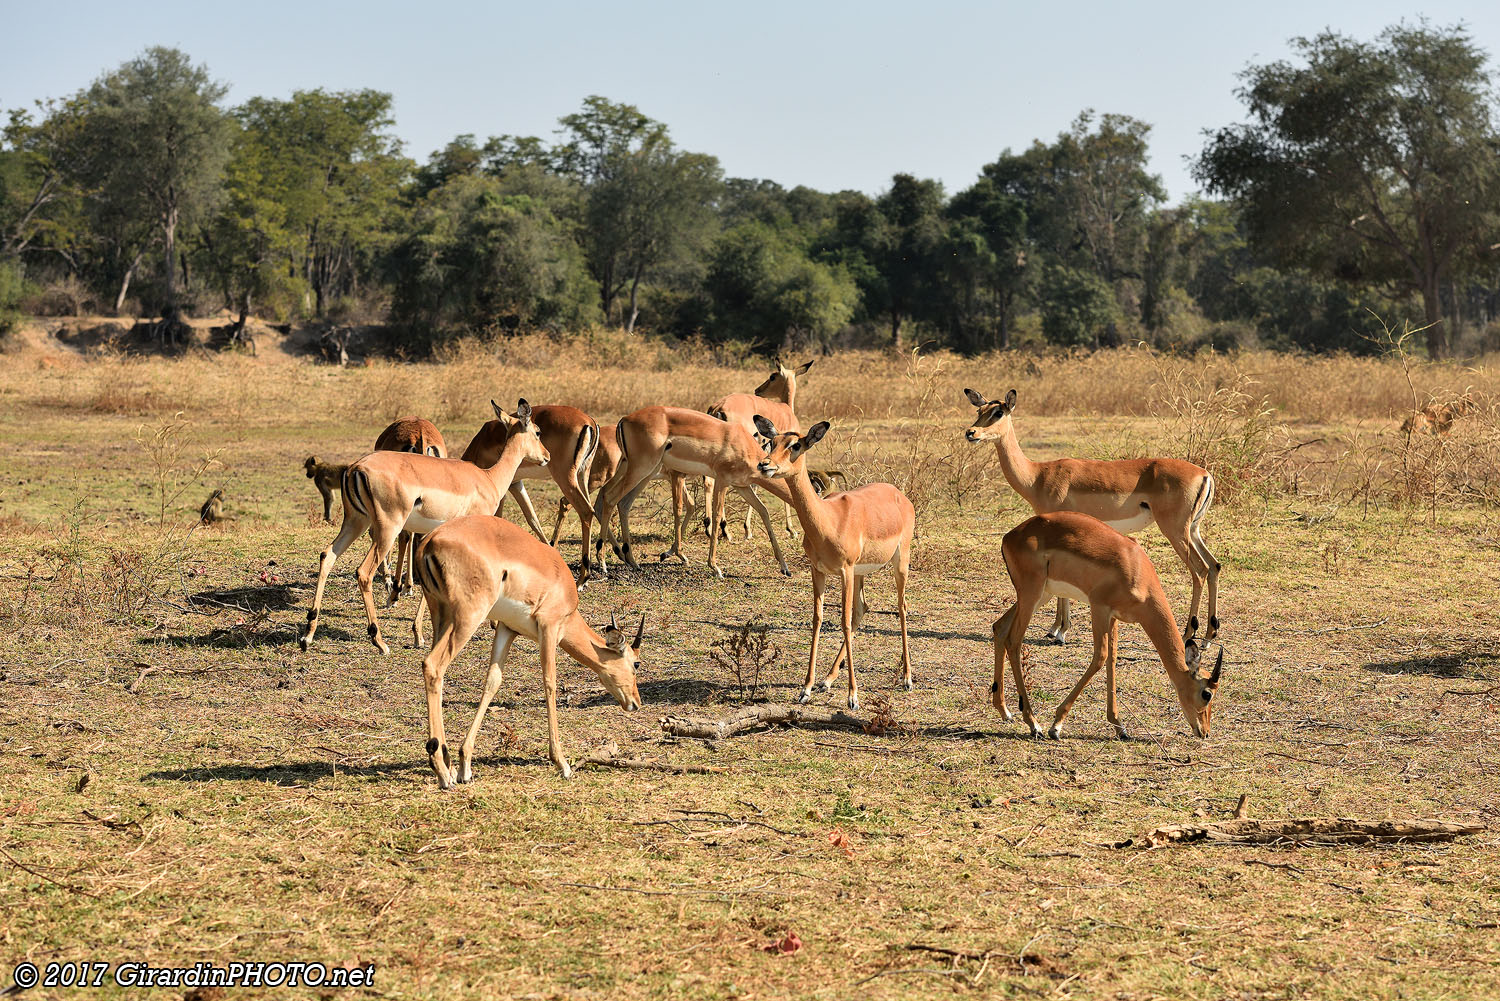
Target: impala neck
column 579, row 641
column 1161, row 628
column 503, row 472
column 1020, row 472
column 811, row 509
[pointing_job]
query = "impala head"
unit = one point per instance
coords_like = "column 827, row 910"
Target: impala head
column 780, row 384
column 534, row 453
column 619, row 658
column 784, row 451
column 990, row 423
column 1195, row 689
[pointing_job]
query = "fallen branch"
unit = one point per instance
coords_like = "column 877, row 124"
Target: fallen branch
column 608, row 756
column 757, row 717
column 1311, row 830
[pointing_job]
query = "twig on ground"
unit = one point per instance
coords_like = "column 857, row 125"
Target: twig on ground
column 608, row 756
column 1311, row 831
column 756, row 718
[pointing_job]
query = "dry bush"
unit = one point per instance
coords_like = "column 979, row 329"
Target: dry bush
column 745, row 655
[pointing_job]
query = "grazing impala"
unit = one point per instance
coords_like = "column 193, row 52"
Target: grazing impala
column 677, row 440
column 1126, row 494
column 851, row 534
column 405, row 434
column 388, row 492
column 1072, row 555
column 571, row 437
column 775, row 400
column 486, row 568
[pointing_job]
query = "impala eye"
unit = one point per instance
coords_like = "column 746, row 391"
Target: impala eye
column 1208, row 696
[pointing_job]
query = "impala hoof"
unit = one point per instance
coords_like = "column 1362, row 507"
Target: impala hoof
column 565, row 769
column 304, row 643
column 804, row 696
column 822, row 686
column 1057, row 639
column 1036, row 732
column 786, row 571
column 1056, row 732
column 1007, row 715
column 908, row 685
column 1121, row 733
column 854, row 702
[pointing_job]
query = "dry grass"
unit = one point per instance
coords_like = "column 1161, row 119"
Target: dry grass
column 183, row 784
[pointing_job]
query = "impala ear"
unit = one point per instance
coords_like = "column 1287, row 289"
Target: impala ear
column 499, row 413
column 815, row 434
column 1010, row 401
column 765, row 427
column 640, row 631
column 802, row 369
column 974, row 398
column 612, row 623
column 523, row 411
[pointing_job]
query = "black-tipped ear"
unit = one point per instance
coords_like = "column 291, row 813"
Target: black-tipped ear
column 499, row 414
column 802, row 369
column 1010, row 401
column 640, row 632
column 523, row 410
column 974, row 398
column 815, row 434
column 1213, row 679
column 765, row 427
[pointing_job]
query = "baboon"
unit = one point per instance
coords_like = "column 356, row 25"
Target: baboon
column 212, row 509
column 327, row 477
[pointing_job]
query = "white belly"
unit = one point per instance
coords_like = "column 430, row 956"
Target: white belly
column 419, row 523
column 1058, row 589
column 515, row 616
column 1129, row 526
column 684, row 466
column 862, row 569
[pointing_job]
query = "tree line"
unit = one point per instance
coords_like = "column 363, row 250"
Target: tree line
column 1363, row 186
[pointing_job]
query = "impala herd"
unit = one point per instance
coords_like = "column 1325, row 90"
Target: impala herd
column 442, row 516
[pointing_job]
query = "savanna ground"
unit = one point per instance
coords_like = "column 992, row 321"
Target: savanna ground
column 181, row 783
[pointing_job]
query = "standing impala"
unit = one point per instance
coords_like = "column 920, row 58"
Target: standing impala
column 1125, row 494
column 1072, row 555
column 388, row 492
column 852, row 534
column 776, row 401
column 571, row 437
column 677, row 440
column 486, row 568
column 603, row 465
column 405, row 434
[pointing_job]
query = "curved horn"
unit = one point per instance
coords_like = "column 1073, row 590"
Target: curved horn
column 1213, row 679
column 612, row 624
column 639, row 632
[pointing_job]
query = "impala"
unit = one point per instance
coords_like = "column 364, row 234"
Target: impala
column 485, row 568
column 1072, row 555
column 1125, row 494
column 405, row 434
column 670, row 440
column 776, row 401
column 852, row 534
column 603, row 465
column 572, row 438
column 388, row 492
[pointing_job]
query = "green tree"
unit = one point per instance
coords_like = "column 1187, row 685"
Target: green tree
column 150, row 143
column 904, row 248
column 1369, row 163
column 762, row 287
column 986, row 265
column 1077, row 305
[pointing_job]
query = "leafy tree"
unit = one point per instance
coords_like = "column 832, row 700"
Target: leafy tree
column 987, row 265
column 904, row 248
column 150, row 143
column 1370, row 163
column 762, row 286
column 1077, row 305
column 476, row 258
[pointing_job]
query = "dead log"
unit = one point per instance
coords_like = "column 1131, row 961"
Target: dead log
column 1310, row 831
column 756, row 717
column 608, row 756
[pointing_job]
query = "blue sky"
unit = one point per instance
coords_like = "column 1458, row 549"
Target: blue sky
column 831, row 95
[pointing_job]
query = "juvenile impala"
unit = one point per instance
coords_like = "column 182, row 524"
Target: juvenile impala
column 1125, row 494
column 852, row 534
column 387, row 492
column 485, row 568
column 571, row 437
column 776, row 401
column 405, row 434
column 1072, row 555
column 677, row 440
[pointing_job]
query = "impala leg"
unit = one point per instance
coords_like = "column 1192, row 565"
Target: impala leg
column 416, row 620
column 819, row 582
column 1103, row 618
column 562, row 512
column 903, row 569
column 492, row 679
column 1196, row 569
column 393, row 582
column 580, row 501
column 1001, row 634
column 859, row 617
column 716, row 516
column 1210, row 567
column 682, row 510
column 765, row 517
column 1061, row 622
column 353, row 525
column 384, row 539
column 848, row 622
column 1113, row 638
column 626, row 503
column 518, row 491
column 451, row 637
column 1026, row 605
column 548, row 643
